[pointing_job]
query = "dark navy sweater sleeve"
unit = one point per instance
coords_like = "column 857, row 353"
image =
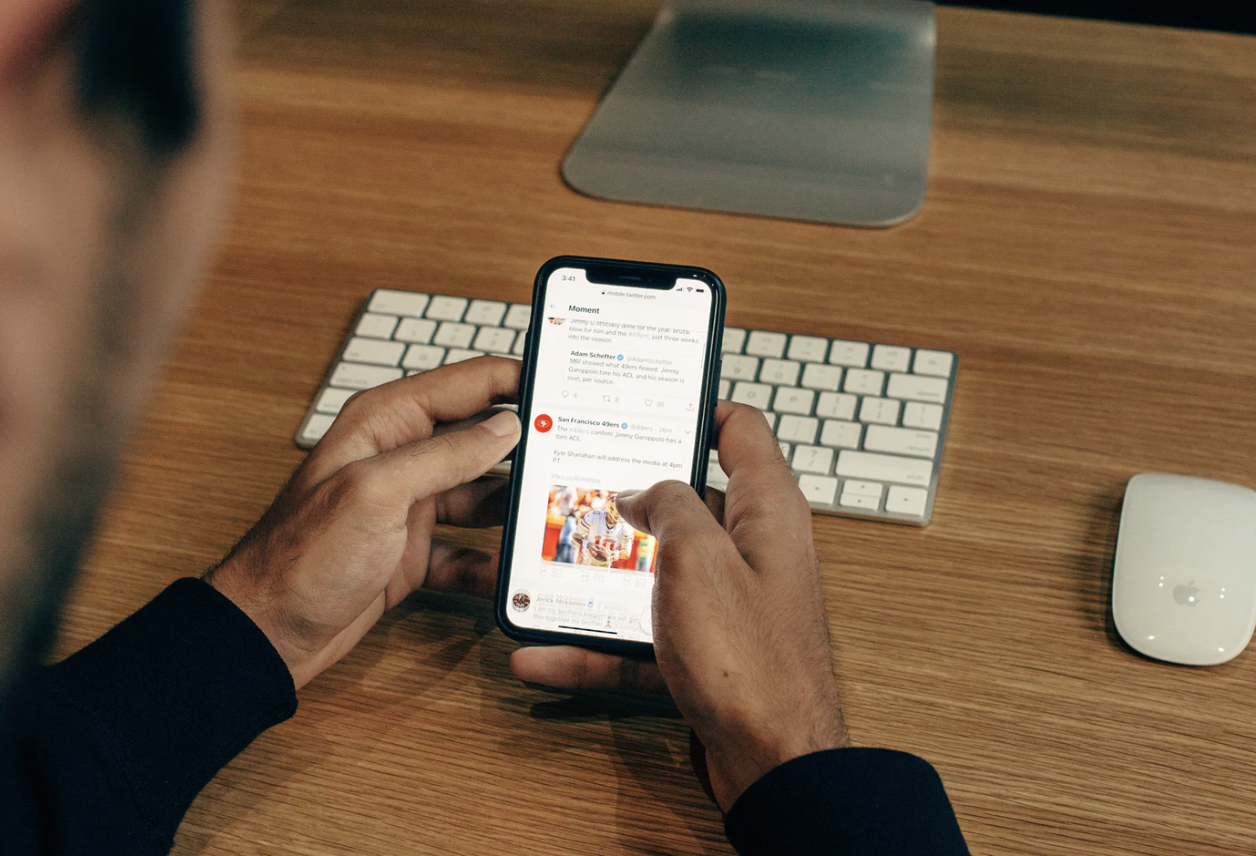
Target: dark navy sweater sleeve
column 116, row 741
column 853, row 802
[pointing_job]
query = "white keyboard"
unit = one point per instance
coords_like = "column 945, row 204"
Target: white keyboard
column 862, row 425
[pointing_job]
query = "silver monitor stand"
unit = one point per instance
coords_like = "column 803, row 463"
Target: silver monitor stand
column 802, row 109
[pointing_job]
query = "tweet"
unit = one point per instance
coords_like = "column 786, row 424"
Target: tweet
column 615, row 405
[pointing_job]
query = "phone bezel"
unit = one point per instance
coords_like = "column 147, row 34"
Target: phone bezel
column 646, row 272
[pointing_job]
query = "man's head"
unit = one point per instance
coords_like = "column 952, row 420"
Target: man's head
column 114, row 157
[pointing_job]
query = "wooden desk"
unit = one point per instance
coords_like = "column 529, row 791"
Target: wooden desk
column 1087, row 248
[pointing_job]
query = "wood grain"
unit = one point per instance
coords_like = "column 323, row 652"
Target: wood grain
column 1086, row 248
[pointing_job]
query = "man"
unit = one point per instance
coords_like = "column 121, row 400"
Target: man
column 602, row 537
column 114, row 144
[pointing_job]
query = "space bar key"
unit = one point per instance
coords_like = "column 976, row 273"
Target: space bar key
column 887, row 468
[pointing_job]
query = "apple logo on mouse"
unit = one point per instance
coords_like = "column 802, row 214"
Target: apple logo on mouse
column 1185, row 595
column 1184, row 528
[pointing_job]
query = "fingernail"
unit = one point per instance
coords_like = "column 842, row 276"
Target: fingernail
column 626, row 494
column 504, row 424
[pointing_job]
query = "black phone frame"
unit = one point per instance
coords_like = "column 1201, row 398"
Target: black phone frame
column 621, row 273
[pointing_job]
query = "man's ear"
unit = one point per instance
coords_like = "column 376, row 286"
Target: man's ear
column 26, row 28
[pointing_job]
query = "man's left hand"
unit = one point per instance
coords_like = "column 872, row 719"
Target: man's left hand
column 350, row 535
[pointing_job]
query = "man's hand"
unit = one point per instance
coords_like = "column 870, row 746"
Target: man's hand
column 350, row 534
column 601, row 549
column 740, row 633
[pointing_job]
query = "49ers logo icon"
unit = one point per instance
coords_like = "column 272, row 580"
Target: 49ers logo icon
column 543, row 423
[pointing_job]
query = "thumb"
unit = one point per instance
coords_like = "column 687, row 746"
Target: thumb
column 425, row 468
column 671, row 511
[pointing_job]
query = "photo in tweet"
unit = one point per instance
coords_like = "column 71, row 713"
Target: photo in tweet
column 583, row 527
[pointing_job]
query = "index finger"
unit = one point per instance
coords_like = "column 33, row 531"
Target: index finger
column 570, row 668
column 762, row 503
column 747, row 445
column 404, row 411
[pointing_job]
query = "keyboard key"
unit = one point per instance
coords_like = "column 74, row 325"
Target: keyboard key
column 315, row 427
column 865, row 488
column 864, row 382
column 418, row 330
column 494, row 340
column 819, row 490
column 444, row 308
column 907, row 500
column 818, row 376
column 755, row 394
column 423, row 357
column 861, row 494
column 798, row 429
column 374, row 351
column 398, row 303
column 813, row 459
column 883, row 411
column 889, row 358
column 376, row 326
column 887, row 468
column 736, row 367
column 790, row 399
column 761, row 343
column 931, row 389
column 855, row 500
column 453, row 335
column 901, row 441
column 841, row 435
column 489, row 312
column 520, row 341
column 779, row 372
column 734, row 340
column 358, row 376
column 725, row 388
column 457, row 355
column 834, row 405
column 771, row 418
column 785, row 450
column 918, row 415
column 332, row 400
column 518, row 316
column 854, row 354
column 809, row 349
column 937, row 363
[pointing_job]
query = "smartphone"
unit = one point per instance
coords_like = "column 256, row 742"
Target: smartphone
column 620, row 375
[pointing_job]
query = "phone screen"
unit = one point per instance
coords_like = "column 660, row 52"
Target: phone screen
column 620, row 399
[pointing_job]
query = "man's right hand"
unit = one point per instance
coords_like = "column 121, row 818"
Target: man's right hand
column 740, row 633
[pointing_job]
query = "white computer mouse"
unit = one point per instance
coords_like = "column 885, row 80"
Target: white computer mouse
column 1184, row 578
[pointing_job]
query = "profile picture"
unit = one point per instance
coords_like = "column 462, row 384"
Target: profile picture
column 555, row 320
column 520, row 601
column 583, row 528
